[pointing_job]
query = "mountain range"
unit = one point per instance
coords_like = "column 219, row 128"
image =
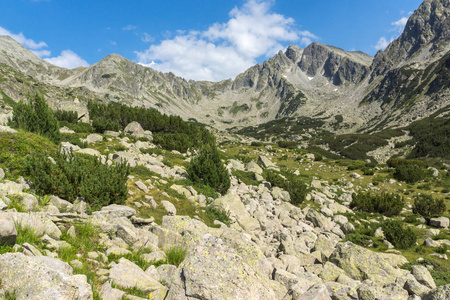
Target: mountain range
column 409, row 80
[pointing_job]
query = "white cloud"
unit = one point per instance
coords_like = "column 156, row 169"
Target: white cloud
column 29, row 43
column 129, row 27
column 42, row 53
column 147, row 38
column 225, row 49
column 399, row 25
column 383, row 43
column 114, row 43
column 68, row 59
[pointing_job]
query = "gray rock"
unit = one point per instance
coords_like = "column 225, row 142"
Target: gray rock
column 414, row 287
column 439, row 293
column 2, row 174
column 116, row 211
column 165, row 273
column 330, row 272
column 54, row 244
column 30, row 202
column 61, row 204
column 431, row 243
column 8, row 233
column 142, row 186
column 360, row 263
column 107, row 292
column 316, row 292
column 252, row 166
column 135, row 129
column 423, row 276
column 117, row 251
column 232, row 203
column 154, row 256
column 435, row 171
column 339, row 291
column 126, row 274
column 441, row 222
column 368, row 290
column 266, row 163
column 169, row 207
column 41, row 278
column 94, row 138
column 319, row 220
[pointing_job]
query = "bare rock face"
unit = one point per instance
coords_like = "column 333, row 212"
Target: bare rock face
column 8, row 233
column 41, row 278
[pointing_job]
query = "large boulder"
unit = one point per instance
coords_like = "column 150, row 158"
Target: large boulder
column 360, row 263
column 439, row 293
column 8, row 233
column 135, row 129
column 31, row 277
column 214, row 271
column 128, row 275
column 232, row 203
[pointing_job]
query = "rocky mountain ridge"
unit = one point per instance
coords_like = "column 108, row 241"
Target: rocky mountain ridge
column 318, row 80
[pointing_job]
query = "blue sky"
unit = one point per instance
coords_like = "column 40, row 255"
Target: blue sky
column 198, row 39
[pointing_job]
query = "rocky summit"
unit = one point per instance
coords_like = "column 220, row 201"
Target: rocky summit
column 319, row 174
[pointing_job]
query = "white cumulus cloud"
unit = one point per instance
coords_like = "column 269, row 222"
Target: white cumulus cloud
column 29, row 43
column 225, row 49
column 68, row 59
column 383, row 43
column 400, row 24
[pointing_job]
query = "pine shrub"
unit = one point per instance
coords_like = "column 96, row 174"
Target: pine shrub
column 384, row 203
column 428, row 206
column 77, row 175
column 36, row 116
column 66, row 116
column 208, row 169
column 409, row 173
column 395, row 233
column 296, row 188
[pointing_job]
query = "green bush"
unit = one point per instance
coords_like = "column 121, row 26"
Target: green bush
column 384, row 203
column 66, row 116
column 318, row 157
column 219, row 214
column 246, row 177
column 36, row 116
column 296, row 188
column 395, row 233
column 394, row 162
column 287, row 144
column 76, row 175
column 208, row 169
column 428, row 206
column 256, row 144
column 409, row 173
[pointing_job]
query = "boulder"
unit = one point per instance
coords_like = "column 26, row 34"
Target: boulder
column 135, row 129
column 266, row 163
column 423, row 276
column 116, row 211
column 232, row 203
column 317, row 292
column 217, row 272
column 110, row 293
column 439, row 293
column 441, row 222
column 360, row 263
column 252, row 166
column 169, row 207
column 30, row 202
column 2, row 174
column 128, row 275
column 94, row 138
column 142, row 186
column 319, row 220
column 8, row 233
column 33, row 277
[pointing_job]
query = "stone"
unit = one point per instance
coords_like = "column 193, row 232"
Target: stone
column 2, row 174
column 435, row 171
column 432, row 232
column 142, row 186
column 169, row 207
column 423, row 276
column 61, row 204
column 94, row 138
column 414, row 287
column 117, row 251
column 339, row 291
column 116, row 211
column 441, row 222
column 236, row 164
column 360, row 263
column 135, row 129
column 319, row 220
column 107, row 292
column 379, row 233
column 165, row 273
column 8, row 233
column 30, row 202
column 181, row 190
column 232, row 204
column 368, row 290
column 76, row 264
column 89, row 151
column 252, row 166
column 30, row 250
column 33, row 277
column 265, row 162
column 217, row 272
column 128, row 275
column 154, row 256
column 330, row 272
column 317, row 292
column 429, row 242
column 53, row 244
column 355, row 175
column 440, row 293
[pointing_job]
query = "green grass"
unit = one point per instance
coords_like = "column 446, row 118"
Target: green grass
column 135, row 257
column 175, row 255
column 26, row 235
column 246, row 177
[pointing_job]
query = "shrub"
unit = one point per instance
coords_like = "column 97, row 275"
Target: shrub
column 409, row 173
column 208, row 169
column 427, row 206
column 36, row 116
column 384, row 203
column 287, row 144
column 318, row 157
column 395, row 233
column 296, row 188
column 67, row 116
column 256, row 144
column 246, row 177
column 75, row 175
column 394, row 162
column 219, row 214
